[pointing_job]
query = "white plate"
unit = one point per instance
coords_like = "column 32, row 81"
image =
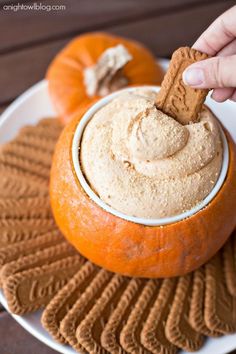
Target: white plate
column 29, row 108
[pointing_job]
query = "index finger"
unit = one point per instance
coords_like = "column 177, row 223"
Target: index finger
column 221, row 32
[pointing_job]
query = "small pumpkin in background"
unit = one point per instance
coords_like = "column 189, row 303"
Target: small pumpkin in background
column 96, row 64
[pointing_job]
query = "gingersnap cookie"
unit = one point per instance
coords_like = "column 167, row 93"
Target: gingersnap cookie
column 82, row 307
column 14, row 230
column 25, row 208
column 41, row 137
column 220, row 305
column 153, row 333
column 27, row 159
column 41, row 143
column 110, row 337
column 130, row 336
column 62, row 302
column 15, row 183
column 50, row 123
column 90, row 329
column 21, row 249
column 24, row 248
column 32, row 289
column 175, row 98
column 197, row 307
column 33, row 169
column 178, row 330
column 49, row 130
column 37, row 259
column 229, row 254
column 27, row 152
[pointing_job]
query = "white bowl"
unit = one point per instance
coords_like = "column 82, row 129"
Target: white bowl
column 149, row 222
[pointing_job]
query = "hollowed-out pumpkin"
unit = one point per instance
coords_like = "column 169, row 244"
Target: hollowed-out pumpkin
column 73, row 84
column 133, row 249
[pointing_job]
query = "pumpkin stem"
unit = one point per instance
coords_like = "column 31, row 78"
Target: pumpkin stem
column 106, row 76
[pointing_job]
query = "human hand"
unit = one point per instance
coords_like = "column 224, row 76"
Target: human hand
column 219, row 72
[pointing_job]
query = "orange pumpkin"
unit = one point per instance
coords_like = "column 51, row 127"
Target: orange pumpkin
column 133, row 249
column 66, row 73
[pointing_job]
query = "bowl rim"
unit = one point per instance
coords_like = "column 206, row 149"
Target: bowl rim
column 78, row 133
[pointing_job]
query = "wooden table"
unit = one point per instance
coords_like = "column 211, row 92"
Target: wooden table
column 29, row 39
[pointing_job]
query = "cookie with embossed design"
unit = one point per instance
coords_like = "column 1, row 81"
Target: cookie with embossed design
column 178, row 329
column 29, row 153
column 220, row 305
column 40, row 138
column 16, row 183
column 90, row 329
column 85, row 302
column 25, row 248
column 111, row 333
column 153, row 333
column 229, row 254
column 130, row 336
column 19, row 230
column 49, row 123
column 37, row 259
column 46, row 128
column 196, row 313
column 30, row 168
column 41, row 143
column 175, row 98
column 25, row 161
column 25, row 208
column 32, row 289
column 63, row 301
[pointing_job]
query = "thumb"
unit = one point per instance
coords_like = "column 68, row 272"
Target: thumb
column 212, row 73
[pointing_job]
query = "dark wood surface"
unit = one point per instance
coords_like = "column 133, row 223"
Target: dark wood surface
column 15, row 340
column 29, row 40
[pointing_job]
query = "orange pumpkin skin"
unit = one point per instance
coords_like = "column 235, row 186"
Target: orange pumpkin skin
column 65, row 73
column 133, row 249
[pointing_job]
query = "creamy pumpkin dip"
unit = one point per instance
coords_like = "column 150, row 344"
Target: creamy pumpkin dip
column 143, row 163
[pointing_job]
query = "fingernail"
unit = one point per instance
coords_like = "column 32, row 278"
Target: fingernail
column 193, row 77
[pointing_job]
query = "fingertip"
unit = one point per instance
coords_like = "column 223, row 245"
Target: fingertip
column 233, row 96
column 218, row 98
column 222, row 94
column 193, row 76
